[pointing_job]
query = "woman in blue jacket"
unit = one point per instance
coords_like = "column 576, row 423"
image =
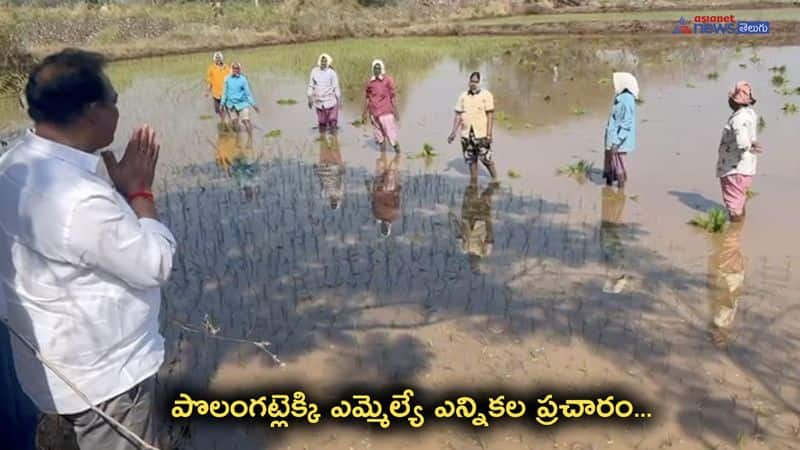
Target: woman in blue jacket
column 620, row 136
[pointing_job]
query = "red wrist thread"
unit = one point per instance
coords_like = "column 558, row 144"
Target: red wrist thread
column 145, row 194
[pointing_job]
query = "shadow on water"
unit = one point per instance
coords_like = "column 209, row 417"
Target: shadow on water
column 283, row 266
column 696, row 201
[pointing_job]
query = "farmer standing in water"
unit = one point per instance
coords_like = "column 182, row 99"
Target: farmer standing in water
column 215, row 78
column 737, row 160
column 380, row 105
column 238, row 99
column 324, row 94
column 475, row 118
column 620, row 136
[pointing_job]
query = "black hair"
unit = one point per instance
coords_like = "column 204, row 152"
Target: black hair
column 475, row 75
column 61, row 87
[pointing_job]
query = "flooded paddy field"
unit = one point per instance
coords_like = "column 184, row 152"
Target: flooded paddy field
column 544, row 281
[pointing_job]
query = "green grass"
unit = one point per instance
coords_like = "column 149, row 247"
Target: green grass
column 514, row 174
column 778, row 69
column 713, row 76
column 666, row 16
column 287, row 101
column 715, row 221
column 580, row 168
column 778, row 80
column 273, row 134
column 789, row 108
column 427, row 152
column 206, row 117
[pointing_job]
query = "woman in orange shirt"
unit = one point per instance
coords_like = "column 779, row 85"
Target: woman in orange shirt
column 215, row 78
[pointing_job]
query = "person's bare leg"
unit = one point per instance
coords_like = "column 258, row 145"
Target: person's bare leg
column 490, row 167
column 473, row 172
column 248, row 127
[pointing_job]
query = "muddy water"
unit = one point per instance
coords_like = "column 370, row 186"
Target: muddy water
column 542, row 282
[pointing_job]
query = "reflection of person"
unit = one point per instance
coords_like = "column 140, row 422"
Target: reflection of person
column 726, row 271
column 475, row 229
column 385, row 192
column 475, row 118
column 215, row 79
column 330, row 170
column 324, row 94
column 236, row 160
column 238, row 98
column 83, row 258
column 381, row 105
column 736, row 163
column 620, row 135
column 611, row 225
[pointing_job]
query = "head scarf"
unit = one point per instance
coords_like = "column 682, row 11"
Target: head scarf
column 742, row 93
column 380, row 63
column 216, row 54
column 328, row 57
column 624, row 80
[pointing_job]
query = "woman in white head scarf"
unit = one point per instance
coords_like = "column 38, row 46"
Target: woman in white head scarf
column 324, row 93
column 620, row 135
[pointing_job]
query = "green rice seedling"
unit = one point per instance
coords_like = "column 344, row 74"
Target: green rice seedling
column 778, row 69
column 514, row 174
column 778, row 80
column 634, row 198
column 713, row 76
column 797, row 90
column 358, row 123
column 287, row 101
column 715, row 221
column 273, row 134
column 581, row 168
column 603, row 81
column 427, row 152
column 639, row 100
column 690, row 85
column 755, row 58
column 750, row 193
column 743, row 66
column 789, row 108
column 761, row 124
column 206, row 117
column 579, row 111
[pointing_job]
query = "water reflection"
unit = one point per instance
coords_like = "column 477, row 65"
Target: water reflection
column 475, row 230
column 236, row 158
column 612, row 229
column 384, row 191
column 726, row 267
column 330, row 169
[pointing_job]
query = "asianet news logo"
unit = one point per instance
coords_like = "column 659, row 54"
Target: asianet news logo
column 719, row 25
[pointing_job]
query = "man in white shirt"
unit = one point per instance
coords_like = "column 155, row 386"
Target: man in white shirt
column 324, row 93
column 82, row 258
